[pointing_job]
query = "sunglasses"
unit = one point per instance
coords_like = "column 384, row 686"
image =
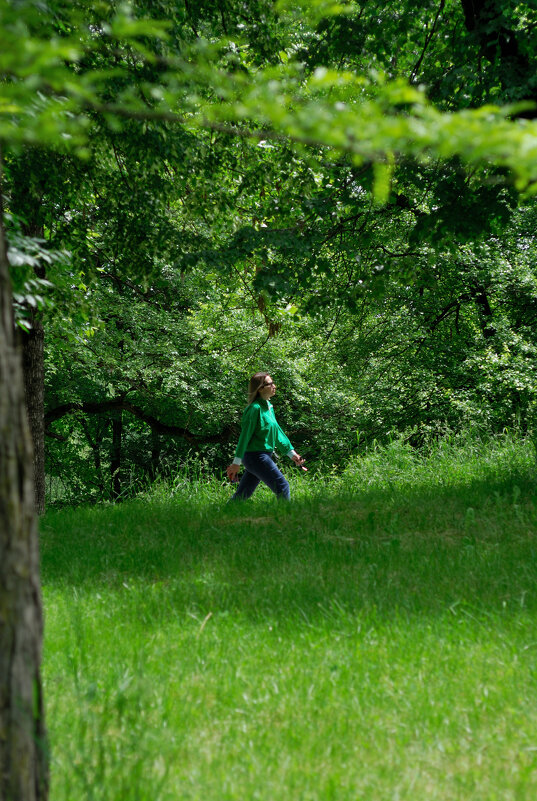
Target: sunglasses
column 268, row 384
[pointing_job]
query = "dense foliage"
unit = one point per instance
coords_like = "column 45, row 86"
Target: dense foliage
column 324, row 195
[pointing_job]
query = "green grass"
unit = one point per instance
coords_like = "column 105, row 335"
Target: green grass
column 374, row 639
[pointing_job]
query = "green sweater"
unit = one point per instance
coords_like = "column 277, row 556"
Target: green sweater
column 260, row 431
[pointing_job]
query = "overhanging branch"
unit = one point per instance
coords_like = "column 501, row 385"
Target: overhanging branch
column 89, row 407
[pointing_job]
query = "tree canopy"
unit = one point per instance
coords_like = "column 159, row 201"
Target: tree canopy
column 342, row 177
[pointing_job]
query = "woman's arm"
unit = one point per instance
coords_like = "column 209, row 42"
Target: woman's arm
column 284, row 445
column 249, row 420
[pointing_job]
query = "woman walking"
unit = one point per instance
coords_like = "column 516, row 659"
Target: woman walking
column 260, row 436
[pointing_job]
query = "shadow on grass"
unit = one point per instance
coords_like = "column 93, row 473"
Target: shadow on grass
column 409, row 551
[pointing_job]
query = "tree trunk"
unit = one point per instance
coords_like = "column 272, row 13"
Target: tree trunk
column 155, row 454
column 33, row 359
column 26, row 200
column 115, row 461
column 95, row 445
column 23, row 755
column 479, row 294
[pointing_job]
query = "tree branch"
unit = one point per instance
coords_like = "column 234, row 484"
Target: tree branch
column 427, row 42
column 89, row 407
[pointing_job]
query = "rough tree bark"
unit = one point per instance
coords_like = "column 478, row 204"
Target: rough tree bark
column 28, row 184
column 30, row 193
column 33, row 360
column 29, row 201
column 23, row 755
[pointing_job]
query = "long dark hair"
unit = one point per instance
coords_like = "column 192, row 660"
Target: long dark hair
column 255, row 384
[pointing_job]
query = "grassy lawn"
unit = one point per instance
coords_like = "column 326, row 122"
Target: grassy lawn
column 374, row 639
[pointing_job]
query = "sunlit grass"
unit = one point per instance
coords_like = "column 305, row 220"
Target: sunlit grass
column 374, row 639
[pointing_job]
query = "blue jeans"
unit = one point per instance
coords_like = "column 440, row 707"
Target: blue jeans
column 259, row 466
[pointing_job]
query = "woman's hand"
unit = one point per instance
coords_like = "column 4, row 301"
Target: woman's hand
column 232, row 471
column 299, row 461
